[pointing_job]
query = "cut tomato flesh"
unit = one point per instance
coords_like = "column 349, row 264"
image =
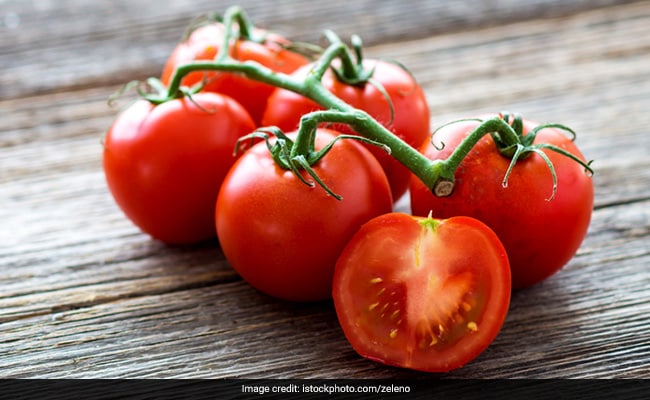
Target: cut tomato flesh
column 422, row 295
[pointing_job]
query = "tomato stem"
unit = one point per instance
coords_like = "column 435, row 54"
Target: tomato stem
column 311, row 87
column 495, row 125
column 437, row 175
column 351, row 71
column 245, row 29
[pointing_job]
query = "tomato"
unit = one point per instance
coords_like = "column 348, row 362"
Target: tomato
column 282, row 236
column 410, row 119
column 422, row 293
column 540, row 234
column 164, row 164
column 204, row 44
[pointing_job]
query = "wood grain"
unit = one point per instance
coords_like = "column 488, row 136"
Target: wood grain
column 84, row 294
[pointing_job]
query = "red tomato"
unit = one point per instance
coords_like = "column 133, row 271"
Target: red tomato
column 282, row 236
column 410, row 119
column 421, row 293
column 204, row 44
column 540, row 234
column 164, row 164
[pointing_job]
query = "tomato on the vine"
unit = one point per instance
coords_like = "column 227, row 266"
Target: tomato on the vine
column 422, row 293
column 204, row 43
column 282, row 236
column 408, row 117
column 164, row 164
column 540, row 229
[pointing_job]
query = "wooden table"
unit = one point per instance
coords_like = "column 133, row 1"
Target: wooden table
column 84, row 294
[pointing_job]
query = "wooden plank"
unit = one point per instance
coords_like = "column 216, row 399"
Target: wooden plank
column 83, row 44
column 560, row 328
column 84, row 294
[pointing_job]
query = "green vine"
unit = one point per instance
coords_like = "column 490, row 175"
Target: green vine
column 437, row 175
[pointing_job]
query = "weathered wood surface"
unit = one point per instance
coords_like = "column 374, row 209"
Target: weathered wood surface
column 84, row 294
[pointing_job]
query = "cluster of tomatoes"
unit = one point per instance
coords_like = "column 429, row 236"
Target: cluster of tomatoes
column 428, row 291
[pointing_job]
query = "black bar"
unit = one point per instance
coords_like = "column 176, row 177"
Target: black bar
column 434, row 388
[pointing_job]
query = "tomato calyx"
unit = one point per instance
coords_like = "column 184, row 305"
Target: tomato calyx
column 234, row 17
column 429, row 222
column 242, row 27
column 236, row 27
column 155, row 92
column 300, row 154
column 351, row 72
column 507, row 132
column 526, row 147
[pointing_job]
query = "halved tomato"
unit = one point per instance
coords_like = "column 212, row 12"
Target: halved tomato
column 422, row 293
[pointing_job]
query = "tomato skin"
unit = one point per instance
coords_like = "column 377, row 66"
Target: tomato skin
column 540, row 236
column 204, row 44
column 411, row 119
column 164, row 164
column 420, row 293
column 282, row 236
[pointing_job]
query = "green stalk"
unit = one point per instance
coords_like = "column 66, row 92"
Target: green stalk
column 428, row 171
column 437, row 175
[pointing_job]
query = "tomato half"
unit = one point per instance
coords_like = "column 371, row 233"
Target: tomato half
column 164, row 164
column 204, row 44
column 282, row 236
column 422, row 293
column 540, row 234
column 410, row 118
